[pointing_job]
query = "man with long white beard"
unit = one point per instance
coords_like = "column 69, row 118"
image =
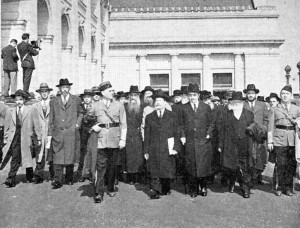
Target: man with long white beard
column 134, row 148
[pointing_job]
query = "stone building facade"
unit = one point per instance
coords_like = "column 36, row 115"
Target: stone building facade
column 222, row 45
column 73, row 33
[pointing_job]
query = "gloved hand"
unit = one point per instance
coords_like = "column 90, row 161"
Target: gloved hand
column 122, row 144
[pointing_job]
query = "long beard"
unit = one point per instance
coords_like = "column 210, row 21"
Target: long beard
column 134, row 107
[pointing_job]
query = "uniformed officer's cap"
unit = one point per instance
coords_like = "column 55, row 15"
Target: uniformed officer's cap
column 104, row 86
column 287, row 88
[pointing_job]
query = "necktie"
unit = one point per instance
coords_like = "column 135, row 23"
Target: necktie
column 20, row 115
column 195, row 108
column 251, row 106
column 160, row 114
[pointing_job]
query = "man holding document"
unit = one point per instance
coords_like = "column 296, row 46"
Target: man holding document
column 161, row 142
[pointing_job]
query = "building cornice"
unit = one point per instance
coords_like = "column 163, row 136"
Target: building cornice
column 7, row 24
column 194, row 15
column 268, row 42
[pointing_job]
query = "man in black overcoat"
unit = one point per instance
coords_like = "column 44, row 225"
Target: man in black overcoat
column 236, row 144
column 197, row 128
column 160, row 130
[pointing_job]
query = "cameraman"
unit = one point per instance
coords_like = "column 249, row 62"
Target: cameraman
column 10, row 67
column 26, row 52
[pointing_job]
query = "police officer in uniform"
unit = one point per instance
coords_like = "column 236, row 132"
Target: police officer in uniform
column 281, row 141
column 112, row 129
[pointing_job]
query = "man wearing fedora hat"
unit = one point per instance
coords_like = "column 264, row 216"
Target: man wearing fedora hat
column 197, row 128
column 21, row 123
column 134, row 147
column 261, row 113
column 64, row 122
column 42, row 108
column 84, row 165
column 97, row 93
column 235, row 144
column 274, row 100
column 281, row 141
column 111, row 128
column 161, row 142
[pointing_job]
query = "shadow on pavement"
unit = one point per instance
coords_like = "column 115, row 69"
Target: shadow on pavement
column 87, row 190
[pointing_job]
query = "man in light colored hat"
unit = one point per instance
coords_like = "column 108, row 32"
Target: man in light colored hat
column 42, row 108
column 112, row 129
column 261, row 112
column 281, row 141
column 64, row 122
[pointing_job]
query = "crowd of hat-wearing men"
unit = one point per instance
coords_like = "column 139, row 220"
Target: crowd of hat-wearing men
column 191, row 135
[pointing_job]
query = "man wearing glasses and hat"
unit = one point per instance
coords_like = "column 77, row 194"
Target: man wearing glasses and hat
column 97, row 93
column 64, row 122
column 112, row 129
column 261, row 113
column 21, row 123
column 42, row 108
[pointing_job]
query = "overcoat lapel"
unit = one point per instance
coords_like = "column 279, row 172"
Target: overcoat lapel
column 70, row 101
column 40, row 109
column 14, row 115
column 61, row 103
column 25, row 114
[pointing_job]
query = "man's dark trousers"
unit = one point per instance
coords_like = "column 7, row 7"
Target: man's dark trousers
column 27, row 73
column 106, row 162
column 59, row 172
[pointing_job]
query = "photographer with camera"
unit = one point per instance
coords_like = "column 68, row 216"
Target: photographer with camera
column 26, row 51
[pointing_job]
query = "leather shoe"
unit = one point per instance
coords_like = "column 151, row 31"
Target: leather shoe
column 231, row 188
column 288, row 192
column 70, row 183
column 153, row 194
column 278, row 193
column 10, row 182
column 111, row 194
column 193, row 195
column 82, row 179
column 37, row 180
column 56, row 185
column 246, row 194
column 203, row 191
column 98, row 198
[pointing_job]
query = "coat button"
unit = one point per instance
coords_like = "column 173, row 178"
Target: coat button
column 195, row 129
column 63, row 120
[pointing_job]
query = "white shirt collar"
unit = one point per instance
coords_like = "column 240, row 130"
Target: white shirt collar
column 162, row 112
column 238, row 113
column 67, row 98
column 251, row 102
column 193, row 105
column 22, row 109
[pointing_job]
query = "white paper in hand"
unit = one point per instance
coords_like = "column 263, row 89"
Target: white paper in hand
column 48, row 144
column 171, row 145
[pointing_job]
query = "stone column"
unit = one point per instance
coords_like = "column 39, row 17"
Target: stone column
column 74, row 41
column 175, row 79
column 207, row 79
column 82, row 69
column 67, row 65
column 44, row 65
column 1, row 73
column 144, row 80
column 239, row 76
column 98, row 50
column 87, row 44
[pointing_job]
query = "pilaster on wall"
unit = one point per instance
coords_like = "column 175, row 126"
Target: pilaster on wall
column 144, row 80
column 207, row 79
column 175, row 79
column 87, row 46
column 239, row 82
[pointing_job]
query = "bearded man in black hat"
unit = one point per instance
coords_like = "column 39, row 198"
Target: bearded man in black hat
column 161, row 143
column 235, row 144
column 134, row 148
column 197, row 129
column 261, row 113
column 64, row 123
column 281, row 141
